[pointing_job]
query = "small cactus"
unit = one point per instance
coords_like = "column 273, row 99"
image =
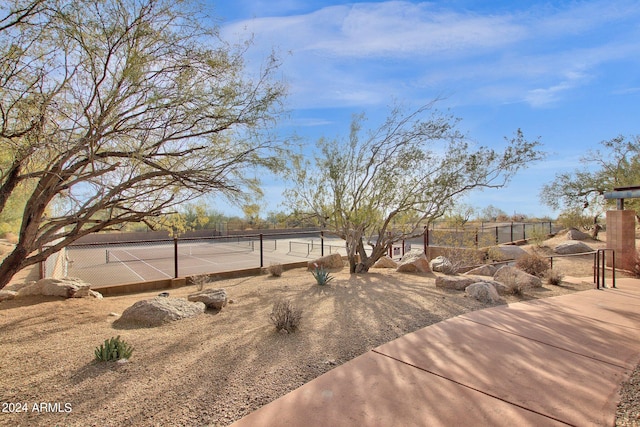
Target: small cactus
column 113, row 349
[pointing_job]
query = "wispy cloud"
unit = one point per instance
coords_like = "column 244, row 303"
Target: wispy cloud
column 364, row 53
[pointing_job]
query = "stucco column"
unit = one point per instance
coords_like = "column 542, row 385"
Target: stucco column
column 621, row 237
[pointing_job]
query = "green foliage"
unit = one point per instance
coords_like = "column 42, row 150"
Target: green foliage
column 492, row 214
column 616, row 164
column 285, row 316
column 113, row 349
column 136, row 107
column 322, row 276
column 538, row 235
column 574, row 218
column 381, row 186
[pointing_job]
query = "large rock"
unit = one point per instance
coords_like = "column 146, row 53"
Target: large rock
column 441, row 265
column 414, row 261
column 507, row 252
column 484, row 270
column 385, row 262
column 458, row 283
column 327, row 261
column 68, row 287
column 515, row 278
column 484, row 292
column 212, row 298
column 158, row 311
column 572, row 247
column 575, row 234
column 6, row 295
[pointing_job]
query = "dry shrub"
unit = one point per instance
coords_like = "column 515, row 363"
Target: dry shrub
column 515, row 288
column 275, row 269
column 199, row 280
column 461, row 250
column 533, row 264
column 554, row 277
column 632, row 264
column 285, row 316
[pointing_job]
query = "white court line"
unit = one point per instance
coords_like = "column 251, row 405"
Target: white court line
column 144, row 262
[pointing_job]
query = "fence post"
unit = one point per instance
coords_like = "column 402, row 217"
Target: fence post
column 261, row 253
column 425, row 238
column 322, row 243
column 175, row 257
column 476, row 242
column 497, row 236
column 42, row 266
column 511, row 231
column 524, row 231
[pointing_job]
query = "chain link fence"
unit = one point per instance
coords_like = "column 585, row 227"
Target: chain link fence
column 115, row 262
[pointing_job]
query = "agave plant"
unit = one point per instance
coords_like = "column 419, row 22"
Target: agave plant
column 321, row 275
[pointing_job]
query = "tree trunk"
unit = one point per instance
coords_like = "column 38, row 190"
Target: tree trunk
column 11, row 265
column 352, row 264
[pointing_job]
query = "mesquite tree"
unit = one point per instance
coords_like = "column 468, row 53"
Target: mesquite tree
column 117, row 111
column 616, row 164
column 386, row 185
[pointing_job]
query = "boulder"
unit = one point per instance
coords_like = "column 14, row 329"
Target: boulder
column 575, row 234
column 572, row 247
column 68, row 287
column 96, row 295
column 507, row 252
column 158, row 311
column 458, row 283
column 6, row 295
column 327, row 261
column 514, row 277
column 213, row 298
column 414, row 261
column 441, row 264
column 25, row 289
column 17, row 286
column 501, row 288
column 484, row 270
column 385, row 262
column 483, row 292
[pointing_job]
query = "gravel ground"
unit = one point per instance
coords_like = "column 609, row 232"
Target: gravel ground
column 216, row 368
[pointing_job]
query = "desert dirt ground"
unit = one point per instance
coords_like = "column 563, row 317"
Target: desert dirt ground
column 217, row 367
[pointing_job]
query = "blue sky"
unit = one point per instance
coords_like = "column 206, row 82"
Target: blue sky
column 565, row 71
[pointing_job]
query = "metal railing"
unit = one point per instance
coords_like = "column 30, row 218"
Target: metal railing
column 600, row 268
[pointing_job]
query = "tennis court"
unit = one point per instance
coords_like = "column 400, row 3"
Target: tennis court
column 109, row 264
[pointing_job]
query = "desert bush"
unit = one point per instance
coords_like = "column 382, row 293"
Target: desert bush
column 285, row 316
column 537, row 236
column 554, row 277
column 460, row 248
column 533, row 264
column 574, row 218
column 511, row 281
column 275, row 269
column 113, row 349
column 321, row 275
